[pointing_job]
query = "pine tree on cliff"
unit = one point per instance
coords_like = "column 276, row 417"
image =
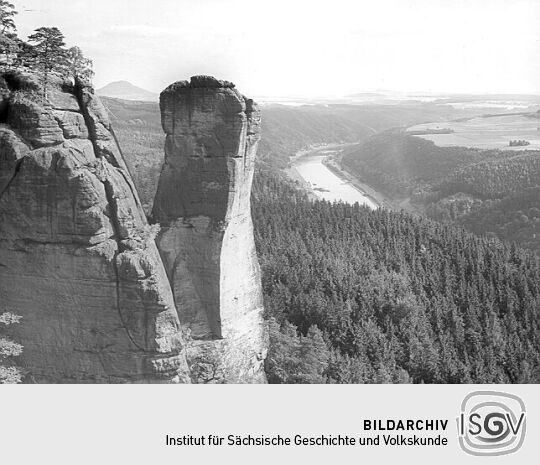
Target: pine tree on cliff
column 8, row 30
column 7, row 13
column 9, row 374
column 49, row 47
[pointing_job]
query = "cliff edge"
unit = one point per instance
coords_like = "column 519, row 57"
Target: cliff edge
column 206, row 239
column 77, row 258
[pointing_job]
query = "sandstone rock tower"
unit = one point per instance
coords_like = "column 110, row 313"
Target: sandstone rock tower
column 206, row 240
column 76, row 259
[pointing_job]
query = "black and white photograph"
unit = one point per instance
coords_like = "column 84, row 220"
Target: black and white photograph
column 367, row 212
column 244, row 192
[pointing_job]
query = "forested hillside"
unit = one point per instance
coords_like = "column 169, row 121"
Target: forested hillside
column 492, row 192
column 356, row 296
column 503, row 174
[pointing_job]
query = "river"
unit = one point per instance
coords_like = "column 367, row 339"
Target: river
column 324, row 182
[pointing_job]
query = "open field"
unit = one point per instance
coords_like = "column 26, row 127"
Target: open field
column 486, row 132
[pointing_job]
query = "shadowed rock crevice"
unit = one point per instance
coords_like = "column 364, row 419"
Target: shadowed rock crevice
column 5, row 187
column 82, row 93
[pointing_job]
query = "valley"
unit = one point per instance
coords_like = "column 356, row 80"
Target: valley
column 366, row 153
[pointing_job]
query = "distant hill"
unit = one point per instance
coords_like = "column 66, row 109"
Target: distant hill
column 127, row 91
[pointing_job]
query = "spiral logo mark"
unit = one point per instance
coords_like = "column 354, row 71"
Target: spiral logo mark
column 491, row 423
column 501, row 430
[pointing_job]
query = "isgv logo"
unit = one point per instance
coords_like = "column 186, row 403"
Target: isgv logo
column 491, row 423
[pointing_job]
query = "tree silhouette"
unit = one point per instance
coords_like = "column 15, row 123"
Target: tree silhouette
column 8, row 37
column 7, row 13
column 77, row 65
column 49, row 47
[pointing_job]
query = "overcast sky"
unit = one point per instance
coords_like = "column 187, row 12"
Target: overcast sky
column 304, row 48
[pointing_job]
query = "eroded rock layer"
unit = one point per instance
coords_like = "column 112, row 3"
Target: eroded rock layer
column 77, row 258
column 206, row 239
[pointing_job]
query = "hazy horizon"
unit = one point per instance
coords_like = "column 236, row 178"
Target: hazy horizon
column 373, row 92
column 306, row 49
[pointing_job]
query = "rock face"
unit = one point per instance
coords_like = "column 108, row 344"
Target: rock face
column 206, row 239
column 78, row 261
column 77, row 258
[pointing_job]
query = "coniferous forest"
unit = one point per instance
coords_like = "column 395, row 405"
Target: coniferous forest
column 360, row 296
